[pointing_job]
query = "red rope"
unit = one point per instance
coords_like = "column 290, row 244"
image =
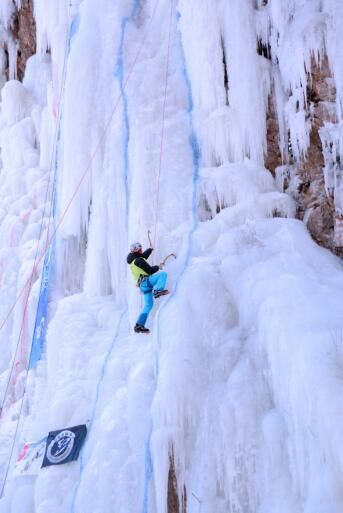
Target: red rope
column 87, row 169
column 28, row 284
column 163, row 124
column 16, row 366
column 49, row 239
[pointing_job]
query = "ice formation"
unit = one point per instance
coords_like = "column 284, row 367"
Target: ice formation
column 151, row 115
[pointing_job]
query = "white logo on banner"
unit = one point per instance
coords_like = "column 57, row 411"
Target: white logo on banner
column 40, row 327
column 61, row 446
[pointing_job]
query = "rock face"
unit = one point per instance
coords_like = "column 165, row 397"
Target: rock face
column 320, row 221
column 315, row 206
column 24, row 32
column 273, row 157
column 173, row 502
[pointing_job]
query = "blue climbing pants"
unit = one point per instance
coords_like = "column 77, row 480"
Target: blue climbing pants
column 154, row 282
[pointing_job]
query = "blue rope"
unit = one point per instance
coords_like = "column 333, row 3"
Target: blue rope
column 119, row 74
column 148, row 471
column 193, row 141
column 95, row 404
column 74, row 28
column 196, row 158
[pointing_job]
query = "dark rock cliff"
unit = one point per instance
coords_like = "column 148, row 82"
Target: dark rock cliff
column 315, row 206
column 23, row 28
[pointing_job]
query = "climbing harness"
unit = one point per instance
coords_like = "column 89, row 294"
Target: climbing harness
column 137, row 271
column 140, row 279
column 143, row 276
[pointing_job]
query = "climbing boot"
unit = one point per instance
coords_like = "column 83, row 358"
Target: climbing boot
column 141, row 329
column 159, row 293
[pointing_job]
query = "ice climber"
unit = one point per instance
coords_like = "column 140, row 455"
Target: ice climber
column 150, row 283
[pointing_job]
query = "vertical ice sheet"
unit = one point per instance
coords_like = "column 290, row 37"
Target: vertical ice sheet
column 247, row 392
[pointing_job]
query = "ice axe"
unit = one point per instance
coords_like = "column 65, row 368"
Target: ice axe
column 164, row 261
column 149, row 237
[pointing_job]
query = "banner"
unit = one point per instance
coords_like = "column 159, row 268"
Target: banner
column 64, row 445
column 30, row 459
column 41, row 320
column 39, row 332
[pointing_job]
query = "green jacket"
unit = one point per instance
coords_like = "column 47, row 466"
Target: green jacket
column 139, row 265
column 137, row 271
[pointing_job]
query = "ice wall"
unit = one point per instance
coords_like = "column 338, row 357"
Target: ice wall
column 239, row 381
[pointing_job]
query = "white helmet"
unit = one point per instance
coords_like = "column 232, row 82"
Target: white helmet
column 135, row 247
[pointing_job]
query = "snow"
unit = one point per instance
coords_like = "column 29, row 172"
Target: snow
column 241, row 378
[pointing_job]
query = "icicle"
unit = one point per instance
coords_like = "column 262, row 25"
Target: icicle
column 12, row 47
column 7, row 9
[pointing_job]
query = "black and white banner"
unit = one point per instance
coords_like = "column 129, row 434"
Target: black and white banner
column 64, row 445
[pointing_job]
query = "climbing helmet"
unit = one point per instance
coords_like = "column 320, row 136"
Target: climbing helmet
column 136, row 247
